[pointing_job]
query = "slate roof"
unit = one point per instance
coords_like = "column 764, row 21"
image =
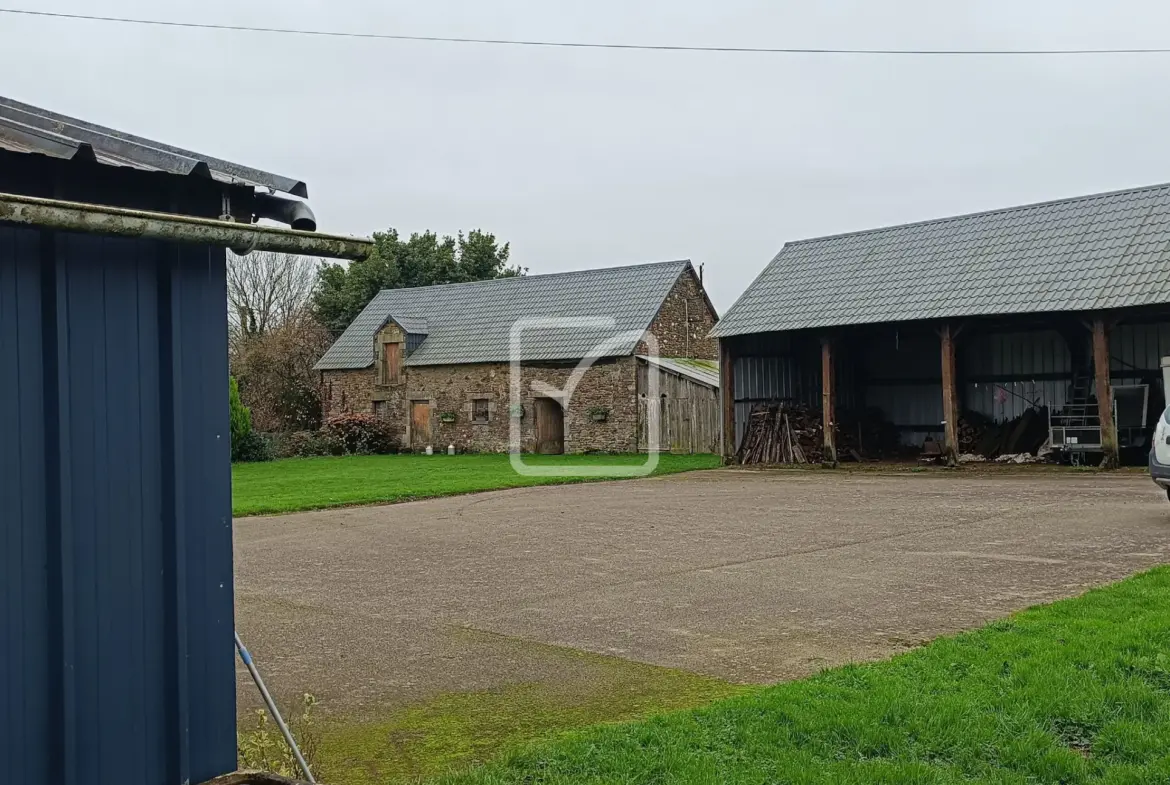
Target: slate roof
column 702, row 371
column 1108, row 250
column 472, row 322
column 29, row 129
column 416, row 325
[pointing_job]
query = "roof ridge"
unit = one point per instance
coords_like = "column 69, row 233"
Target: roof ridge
column 561, row 274
column 976, row 214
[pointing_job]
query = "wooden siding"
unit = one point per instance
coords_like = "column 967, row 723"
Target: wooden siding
column 688, row 411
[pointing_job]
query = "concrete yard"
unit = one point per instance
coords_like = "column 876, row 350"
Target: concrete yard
column 747, row 576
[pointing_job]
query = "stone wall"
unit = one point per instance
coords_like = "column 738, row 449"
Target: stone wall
column 681, row 328
column 611, row 384
column 683, row 322
column 347, row 391
column 344, row 392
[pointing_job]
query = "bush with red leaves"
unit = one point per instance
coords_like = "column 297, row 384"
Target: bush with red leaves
column 359, row 434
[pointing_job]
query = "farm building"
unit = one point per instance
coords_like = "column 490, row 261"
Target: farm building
column 435, row 361
column 116, row 607
column 1036, row 313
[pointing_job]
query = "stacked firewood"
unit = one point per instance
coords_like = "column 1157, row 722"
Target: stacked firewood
column 781, row 433
column 788, row 432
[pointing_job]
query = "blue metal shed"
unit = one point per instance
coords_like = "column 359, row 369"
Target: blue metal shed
column 116, row 606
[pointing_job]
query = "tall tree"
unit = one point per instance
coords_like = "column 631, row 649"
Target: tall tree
column 423, row 260
column 266, row 289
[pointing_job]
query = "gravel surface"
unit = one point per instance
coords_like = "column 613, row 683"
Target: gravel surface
column 748, row 576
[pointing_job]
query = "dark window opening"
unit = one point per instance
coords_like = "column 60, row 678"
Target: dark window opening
column 480, row 410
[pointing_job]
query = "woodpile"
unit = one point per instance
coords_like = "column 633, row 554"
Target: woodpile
column 978, row 435
column 782, row 433
column 788, row 432
column 972, row 427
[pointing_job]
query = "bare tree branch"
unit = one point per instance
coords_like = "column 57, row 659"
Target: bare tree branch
column 266, row 289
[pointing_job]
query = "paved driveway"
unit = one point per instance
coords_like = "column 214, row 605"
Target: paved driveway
column 747, row 576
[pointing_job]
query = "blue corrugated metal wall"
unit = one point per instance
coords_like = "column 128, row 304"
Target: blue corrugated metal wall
column 116, row 660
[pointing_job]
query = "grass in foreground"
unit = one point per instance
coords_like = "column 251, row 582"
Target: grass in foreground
column 1075, row 692
column 315, row 483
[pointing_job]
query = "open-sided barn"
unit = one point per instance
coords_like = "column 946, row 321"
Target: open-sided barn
column 1046, row 308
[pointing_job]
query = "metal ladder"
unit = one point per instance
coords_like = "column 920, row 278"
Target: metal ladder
column 1077, row 407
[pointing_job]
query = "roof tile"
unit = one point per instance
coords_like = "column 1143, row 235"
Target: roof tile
column 1104, row 250
column 472, row 322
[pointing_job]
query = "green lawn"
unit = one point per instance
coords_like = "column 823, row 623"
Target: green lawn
column 313, row 483
column 1075, row 692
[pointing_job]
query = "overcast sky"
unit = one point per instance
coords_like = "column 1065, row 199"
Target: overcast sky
column 589, row 158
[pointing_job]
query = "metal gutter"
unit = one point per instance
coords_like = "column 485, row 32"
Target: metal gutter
column 121, row 222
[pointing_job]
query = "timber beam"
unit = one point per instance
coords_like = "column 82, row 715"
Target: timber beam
column 828, row 401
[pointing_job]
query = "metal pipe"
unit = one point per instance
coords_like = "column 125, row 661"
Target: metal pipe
column 288, row 737
column 286, row 211
column 122, row 222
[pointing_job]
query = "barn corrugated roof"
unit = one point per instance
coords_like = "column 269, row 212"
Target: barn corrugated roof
column 1109, row 250
column 702, row 371
column 29, row 129
column 472, row 322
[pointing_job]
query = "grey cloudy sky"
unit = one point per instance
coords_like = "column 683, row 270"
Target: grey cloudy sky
column 587, row 158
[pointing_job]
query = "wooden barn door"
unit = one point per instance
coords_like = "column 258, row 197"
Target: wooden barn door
column 420, row 424
column 652, row 415
column 687, row 425
column 550, row 427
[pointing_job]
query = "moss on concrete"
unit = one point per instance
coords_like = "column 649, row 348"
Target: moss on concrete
column 456, row 730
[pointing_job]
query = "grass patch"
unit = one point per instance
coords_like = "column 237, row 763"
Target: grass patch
column 456, row 730
column 315, row 483
column 1074, row 692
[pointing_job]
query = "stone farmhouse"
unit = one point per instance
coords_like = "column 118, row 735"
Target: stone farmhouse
column 435, row 361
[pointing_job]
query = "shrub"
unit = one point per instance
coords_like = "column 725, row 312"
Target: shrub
column 359, row 434
column 241, row 419
column 302, row 444
column 276, row 376
column 253, row 448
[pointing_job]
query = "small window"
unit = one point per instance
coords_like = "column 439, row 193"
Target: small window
column 380, row 410
column 480, row 410
column 391, row 363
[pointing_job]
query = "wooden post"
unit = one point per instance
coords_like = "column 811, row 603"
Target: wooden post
column 828, row 401
column 727, row 399
column 950, row 398
column 1111, row 457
